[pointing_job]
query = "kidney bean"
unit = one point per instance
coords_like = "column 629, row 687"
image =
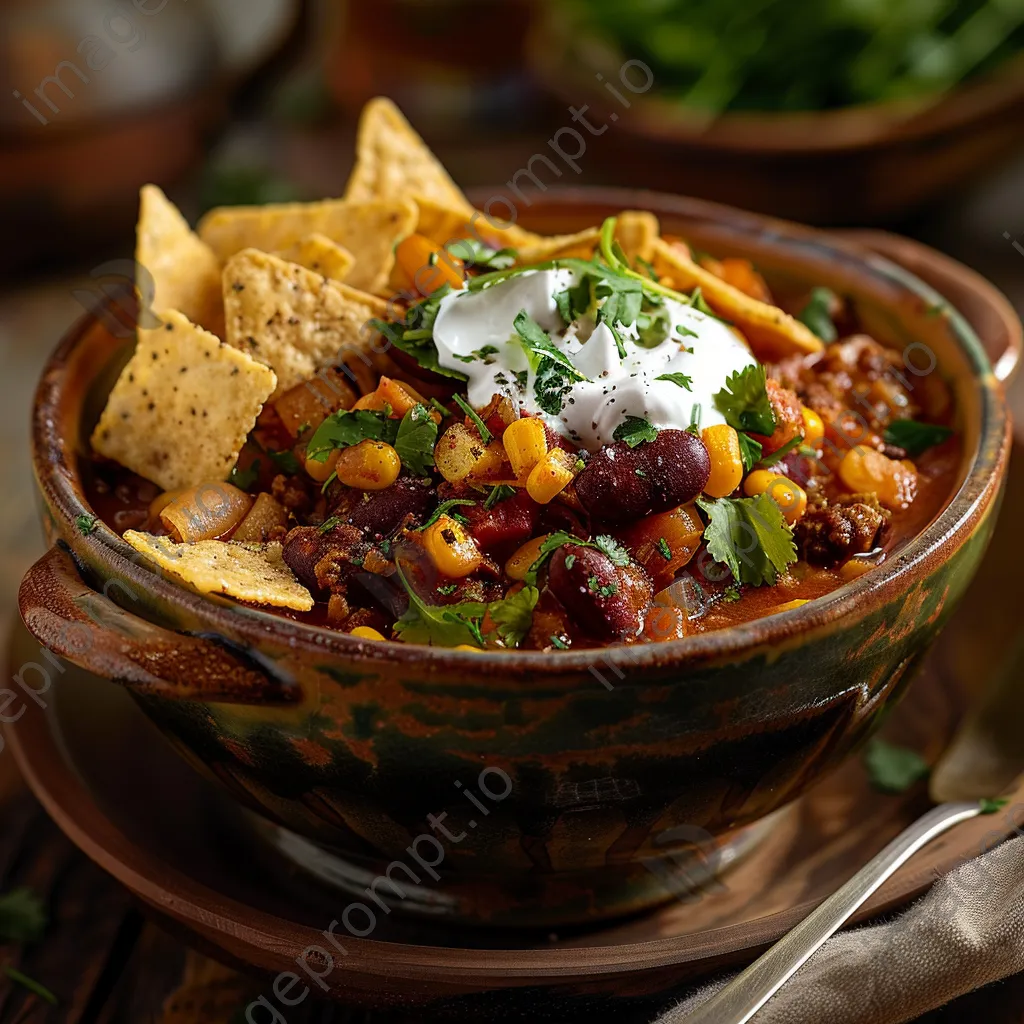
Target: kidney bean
column 606, row 601
column 306, row 547
column 505, row 526
column 380, row 513
column 621, row 484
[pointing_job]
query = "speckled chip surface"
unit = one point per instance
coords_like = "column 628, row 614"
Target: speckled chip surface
column 183, row 406
column 256, row 573
column 292, row 319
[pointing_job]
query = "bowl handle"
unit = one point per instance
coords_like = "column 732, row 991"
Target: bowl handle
column 984, row 307
column 88, row 629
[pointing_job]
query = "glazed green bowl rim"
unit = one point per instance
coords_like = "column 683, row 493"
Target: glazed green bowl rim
column 60, row 482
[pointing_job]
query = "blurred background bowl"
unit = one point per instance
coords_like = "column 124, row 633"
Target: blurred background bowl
column 835, row 112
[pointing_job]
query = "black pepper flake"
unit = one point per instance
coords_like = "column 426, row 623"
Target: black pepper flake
column 168, row 327
column 238, row 287
column 151, row 406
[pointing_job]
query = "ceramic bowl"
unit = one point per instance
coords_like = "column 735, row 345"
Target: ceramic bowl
column 544, row 789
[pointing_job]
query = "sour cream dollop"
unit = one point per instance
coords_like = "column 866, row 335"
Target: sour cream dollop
column 474, row 335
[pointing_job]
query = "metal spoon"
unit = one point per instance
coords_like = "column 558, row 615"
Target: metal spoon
column 984, row 759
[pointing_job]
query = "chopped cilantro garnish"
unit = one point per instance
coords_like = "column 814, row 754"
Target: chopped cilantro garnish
column 570, row 561
column 991, row 805
column 750, row 536
column 329, row 524
column 891, row 768
column 86, row 524
column 415, row 334
column 485, row 434
column 475, row 254
column 447, row 589
column 686, row 332
column 415, row 440
column 499, row 493
column 595, row 586
column 243, row 479
column 22, row 916
column 558, row 642
column 695, row 418
column 653, row 325
column 634, row 430
column 413, row 436
column 914, row 437
column 483, row 354
column 285, row 461
column 538, row 345
column 677, row 378
column 453, row 624
column 610, row 547
column 445, row 509
column 750, row 451
column 731, row 593
column 441, row 408
column 744, row 401
column 817, row 314
column 779, row 454
column 664, row 549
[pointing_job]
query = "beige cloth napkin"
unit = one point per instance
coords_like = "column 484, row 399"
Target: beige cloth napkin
column 966, row 932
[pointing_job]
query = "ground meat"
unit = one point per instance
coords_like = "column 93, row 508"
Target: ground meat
column 789, row 422
column 830, row 534
column 321, row 560
column 296, row 493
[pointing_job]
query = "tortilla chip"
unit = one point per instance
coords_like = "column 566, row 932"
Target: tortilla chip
column 369, row 231
column 185, row 272
column 319, row 254
column 256, row 573
column 183, row 406
column 443, row 224
column 772, row 333
column 292, row 319
column 393, row 162
column 635, row 230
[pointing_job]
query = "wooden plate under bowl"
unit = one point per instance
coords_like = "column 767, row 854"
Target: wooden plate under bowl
column 184, row 849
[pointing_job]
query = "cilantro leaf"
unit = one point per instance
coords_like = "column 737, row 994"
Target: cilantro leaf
column 415, row 335
column 22, row 916
column 343, row 429
column 750, row 451
column 475, row 254
column 243, row 479
column 453, row 624
column 513, row 615
column 285, row 461
column 891, row 768
column 610, row 547
column 538, row 345
column 634, row 430
column 914, row 437
column 551, row 386
column 744, row 401
column 653, row 326
column 991, row 805
column 445, row 509
column 415, row 440
column 86, row 524
column 547, row 549
column 664, row 549
column 677, row 378
column 817, row 314
column 750, row 536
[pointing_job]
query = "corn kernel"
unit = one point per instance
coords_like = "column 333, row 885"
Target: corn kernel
column 366, row 633
column 855, row 567
column 790, row 605
column 467, row 647
column 321, row 471
column 369, row 466
column 789, row 496
column 866, row 471
column 525, row 443
column 550, row 476
column 814, row 428
column 723, row 445
column 450, row 547
column 519, row 564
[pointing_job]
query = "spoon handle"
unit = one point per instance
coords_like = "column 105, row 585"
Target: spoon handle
column 738, row 1001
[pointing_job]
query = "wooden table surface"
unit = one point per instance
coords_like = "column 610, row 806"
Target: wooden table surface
column 109, row 965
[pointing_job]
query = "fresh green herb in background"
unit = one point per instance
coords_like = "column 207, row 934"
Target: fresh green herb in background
column 993, row 806
column 22, row 916
column 717, row 55
column 86, row 524
column 893, row 769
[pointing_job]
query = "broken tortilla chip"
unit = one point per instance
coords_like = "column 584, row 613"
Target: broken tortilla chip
column 292, row 319
column 319, row 254
column 369, row 231
column 772, row 333
column 182, row 408
column 256, row 573
column 184, row 271
column 393, row 162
